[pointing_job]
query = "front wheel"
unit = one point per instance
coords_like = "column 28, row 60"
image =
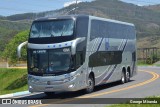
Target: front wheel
column 90, row 84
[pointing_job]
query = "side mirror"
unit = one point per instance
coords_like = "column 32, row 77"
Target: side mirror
column 20, row 47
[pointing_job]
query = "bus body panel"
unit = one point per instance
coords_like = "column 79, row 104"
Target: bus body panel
column 125, row 42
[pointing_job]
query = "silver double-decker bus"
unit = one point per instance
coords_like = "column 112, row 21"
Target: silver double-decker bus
column 70, row 53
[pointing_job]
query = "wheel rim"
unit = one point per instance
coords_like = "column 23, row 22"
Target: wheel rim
column 90, row 85
column 123, row 79
column 127, row 76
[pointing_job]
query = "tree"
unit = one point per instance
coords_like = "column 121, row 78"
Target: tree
column 10, row 52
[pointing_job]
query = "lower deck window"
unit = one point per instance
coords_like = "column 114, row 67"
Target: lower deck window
column 103, row 58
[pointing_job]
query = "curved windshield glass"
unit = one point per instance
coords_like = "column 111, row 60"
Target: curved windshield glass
column 52, row 28
column 49, row 61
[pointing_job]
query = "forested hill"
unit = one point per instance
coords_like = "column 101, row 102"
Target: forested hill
column 9, row 29
column 154, row 7
column 146, row 19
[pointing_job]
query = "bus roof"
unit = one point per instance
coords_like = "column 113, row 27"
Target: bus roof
column 60, row 17
column 111, row 20
column 78, row 16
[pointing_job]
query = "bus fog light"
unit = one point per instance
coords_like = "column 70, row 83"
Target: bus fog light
column 71, row 86
column 30, row 87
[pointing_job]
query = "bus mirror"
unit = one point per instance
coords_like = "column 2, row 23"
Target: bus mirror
column 20, row 47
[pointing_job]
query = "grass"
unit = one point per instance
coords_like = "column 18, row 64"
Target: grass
column 158, row 65
column 142, row 63
column 12, row 80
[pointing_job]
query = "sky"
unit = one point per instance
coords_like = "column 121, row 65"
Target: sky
column 10, row 7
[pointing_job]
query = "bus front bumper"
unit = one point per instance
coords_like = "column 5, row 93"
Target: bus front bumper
column 73, row 85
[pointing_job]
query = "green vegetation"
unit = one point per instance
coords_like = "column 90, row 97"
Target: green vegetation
column 8, row 30
column 154, row 7
column 149, row 61
column 142, row 63
column 13, row 80
column 10, row 51
column 158, row 65
column 146, row 20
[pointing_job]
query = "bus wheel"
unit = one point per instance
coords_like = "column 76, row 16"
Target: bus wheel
column 90, row 83
column 50, row 93
column 123, row 77
column 127, row 77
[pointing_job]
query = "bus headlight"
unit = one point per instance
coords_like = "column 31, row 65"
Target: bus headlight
column 36, row 80
column 69, row 77
column 30, row 87
column 71, row 86
column 32, row 79
column 78, row 74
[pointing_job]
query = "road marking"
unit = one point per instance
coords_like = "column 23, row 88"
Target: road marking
column 40, row 105
column 155, row 76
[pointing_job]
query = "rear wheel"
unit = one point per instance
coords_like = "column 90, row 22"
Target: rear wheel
column 50, row 93
column 123, row 77
column 91, row 84
column 127, row 77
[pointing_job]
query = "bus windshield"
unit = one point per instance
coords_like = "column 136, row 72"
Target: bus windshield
column 54, row 28
column 49, row 61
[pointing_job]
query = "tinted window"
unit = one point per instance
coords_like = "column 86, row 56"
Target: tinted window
column 79, row 59
column 104, row 29
column 102, row 58
column 52, row 28
column 82, row 27
column 49, row 61
column 98, row 29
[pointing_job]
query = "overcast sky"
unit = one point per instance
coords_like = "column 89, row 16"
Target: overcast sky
column 10, row 7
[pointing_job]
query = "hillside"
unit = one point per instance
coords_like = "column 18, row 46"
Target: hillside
column 145, row 19
column 9, row 29
column 153, row 7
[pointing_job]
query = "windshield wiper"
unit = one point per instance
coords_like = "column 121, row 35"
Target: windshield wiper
column 62, row 31
column 52, row 35
column 59, row 70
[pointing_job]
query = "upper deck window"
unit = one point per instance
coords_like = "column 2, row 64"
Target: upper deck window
column 54, row 28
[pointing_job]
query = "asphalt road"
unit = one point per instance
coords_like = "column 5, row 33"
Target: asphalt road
column 145, row 83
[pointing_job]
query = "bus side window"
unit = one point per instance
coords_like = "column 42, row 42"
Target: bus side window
column 94, row 30
column 79, row 59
